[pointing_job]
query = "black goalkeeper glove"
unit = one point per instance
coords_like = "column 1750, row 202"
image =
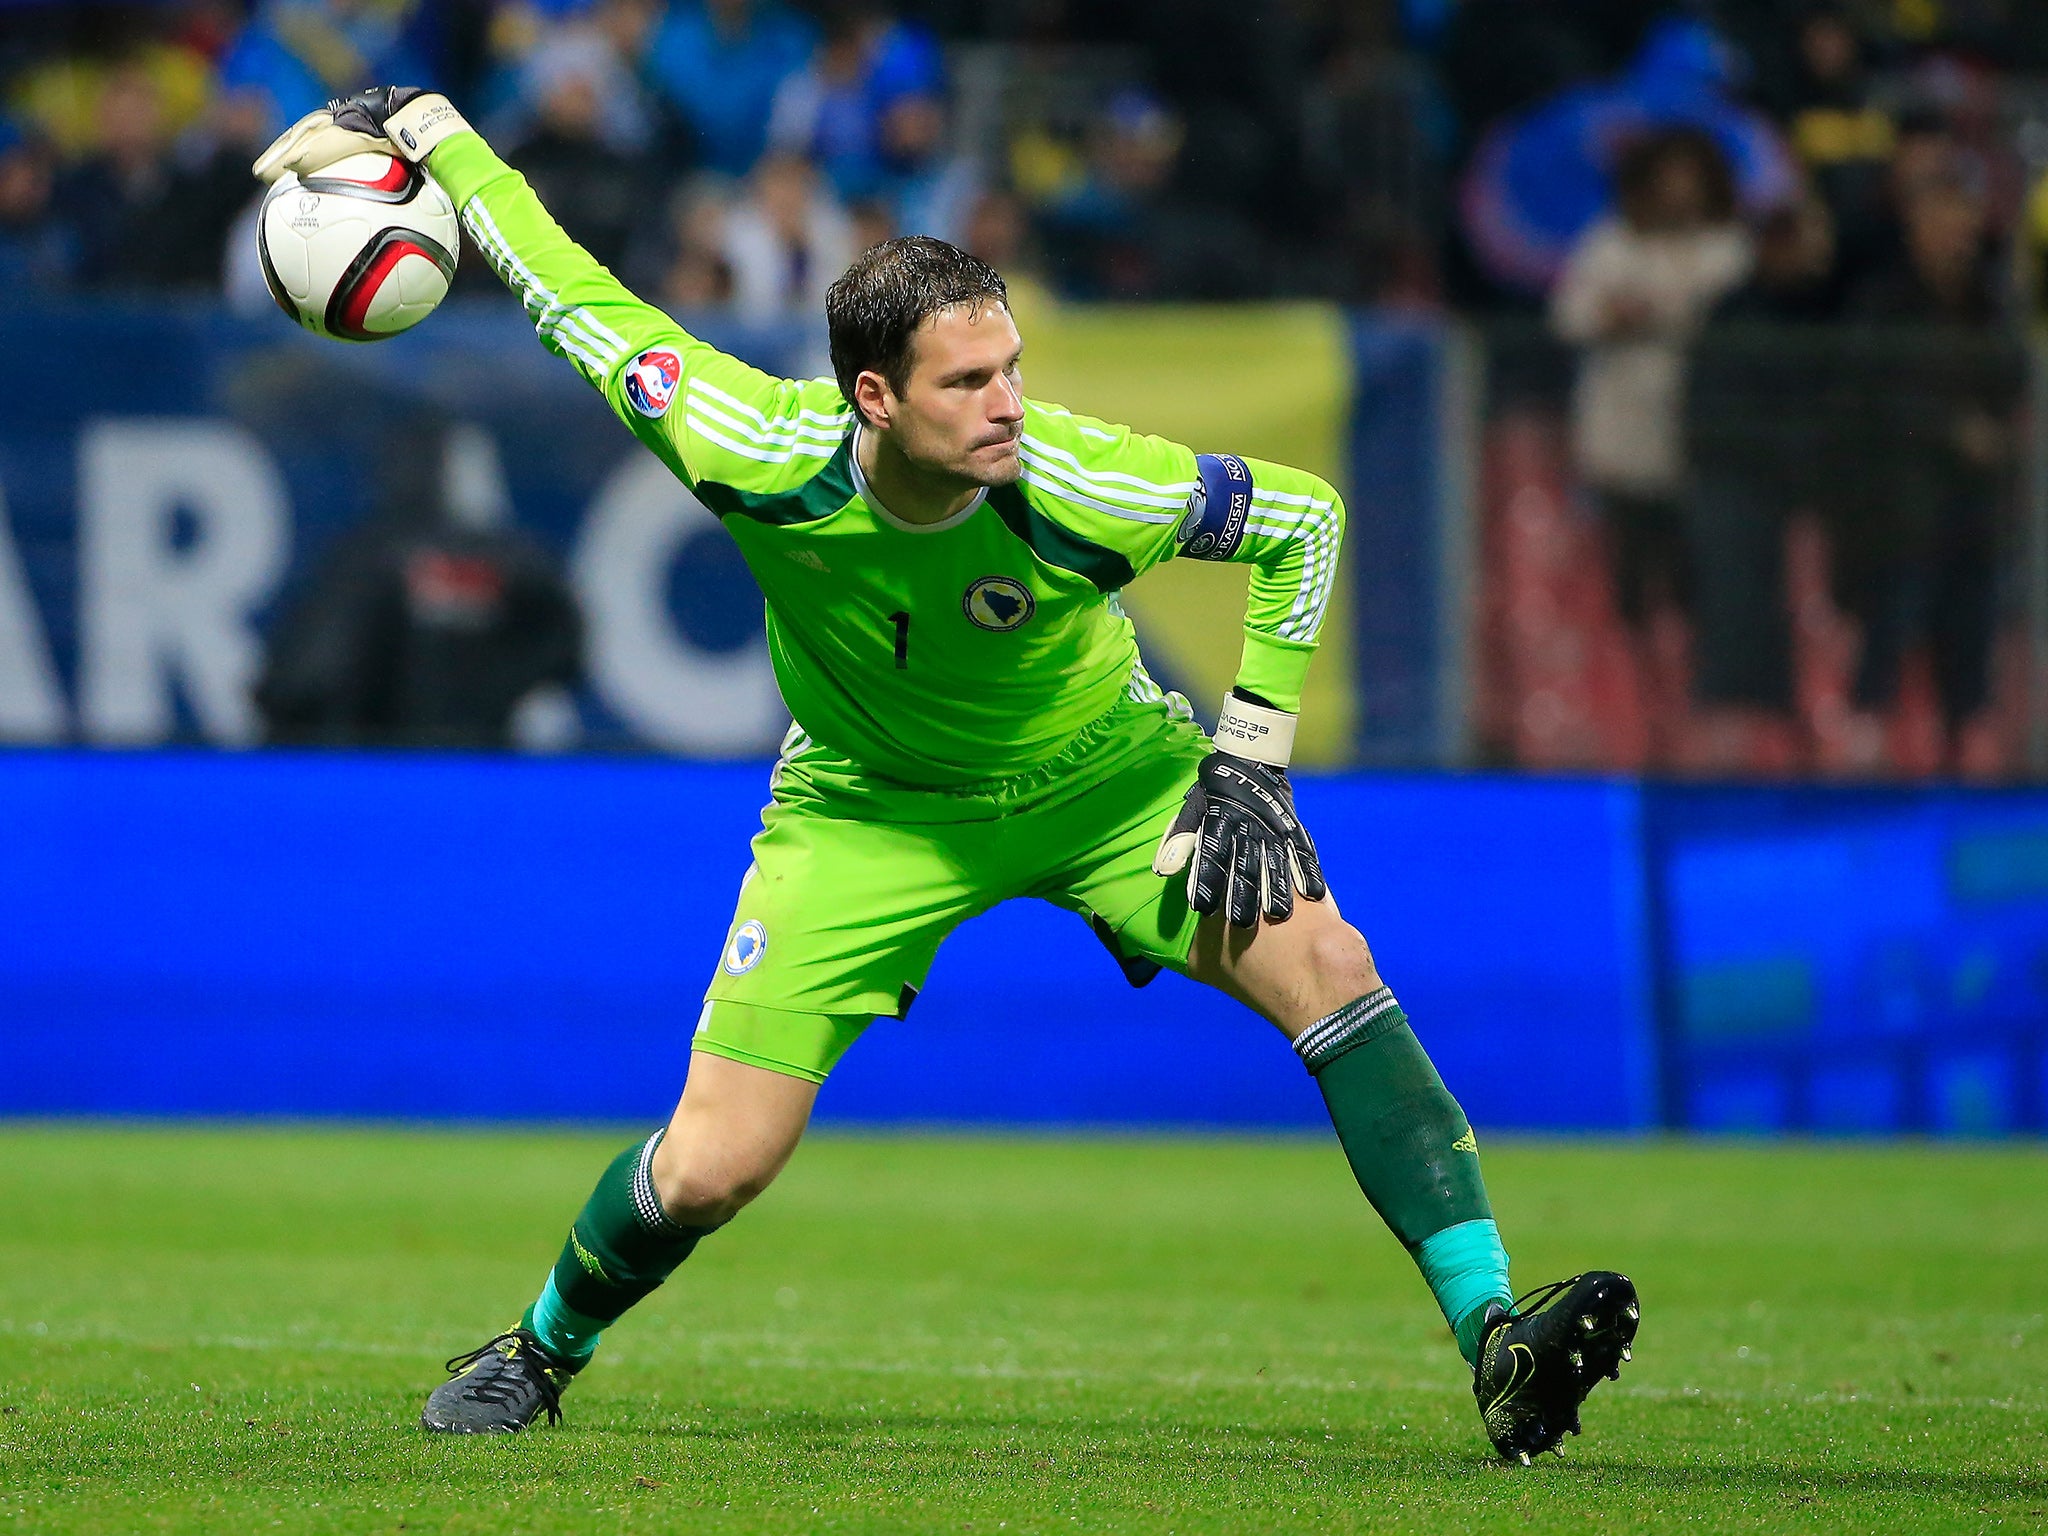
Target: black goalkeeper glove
column 1245, row 852
column 400, row 120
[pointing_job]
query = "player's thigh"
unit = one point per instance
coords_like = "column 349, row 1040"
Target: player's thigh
column 836, row 924
column 1109, row 833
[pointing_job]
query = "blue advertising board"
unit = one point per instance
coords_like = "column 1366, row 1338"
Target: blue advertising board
column 448, row 935
column 1853, row 961
column 464, row 936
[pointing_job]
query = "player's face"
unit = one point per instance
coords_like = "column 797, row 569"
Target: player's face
column 961, row 412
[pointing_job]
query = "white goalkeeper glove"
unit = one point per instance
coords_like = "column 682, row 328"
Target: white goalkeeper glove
column 1245, row 852
column 400, row 120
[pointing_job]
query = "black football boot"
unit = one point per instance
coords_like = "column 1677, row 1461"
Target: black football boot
column 1537, row 1364
column 500, row 1387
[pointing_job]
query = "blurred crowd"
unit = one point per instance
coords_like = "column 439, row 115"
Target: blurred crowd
column 1805, row 307
column 723, row 151
column 1402, row 151
column 736, row 150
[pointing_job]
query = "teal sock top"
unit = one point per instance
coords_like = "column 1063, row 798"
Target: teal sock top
column 561, row 1329
column 1467, row 1270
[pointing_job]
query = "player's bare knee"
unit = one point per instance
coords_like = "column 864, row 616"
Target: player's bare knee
column 705, row 1197
column 702, row 1193
column 1341, row 962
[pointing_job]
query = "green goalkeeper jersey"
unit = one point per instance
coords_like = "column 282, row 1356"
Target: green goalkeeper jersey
column 934, row 654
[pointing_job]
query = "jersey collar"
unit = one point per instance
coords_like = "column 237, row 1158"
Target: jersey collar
column 867, row 494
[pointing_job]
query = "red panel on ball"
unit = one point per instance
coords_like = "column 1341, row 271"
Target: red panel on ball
column 353, row 312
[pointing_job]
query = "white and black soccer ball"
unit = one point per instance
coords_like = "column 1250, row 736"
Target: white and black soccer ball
column 362, row 250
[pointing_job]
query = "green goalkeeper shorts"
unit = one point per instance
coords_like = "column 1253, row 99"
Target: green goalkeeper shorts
column 856, row 880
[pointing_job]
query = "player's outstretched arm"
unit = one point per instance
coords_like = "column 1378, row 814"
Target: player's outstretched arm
column 717, row 422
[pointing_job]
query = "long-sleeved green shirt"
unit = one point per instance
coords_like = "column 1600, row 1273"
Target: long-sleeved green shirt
column 936, row 654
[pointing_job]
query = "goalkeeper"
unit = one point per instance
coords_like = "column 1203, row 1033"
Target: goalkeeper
column 941, row 557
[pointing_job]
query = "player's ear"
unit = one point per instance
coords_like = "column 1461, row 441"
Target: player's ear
column 872, row 398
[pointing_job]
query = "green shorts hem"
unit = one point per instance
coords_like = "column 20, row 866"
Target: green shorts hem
column 750, row 1059
column 805, row 1045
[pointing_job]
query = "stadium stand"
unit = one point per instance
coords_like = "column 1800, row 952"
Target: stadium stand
column 1888, row 167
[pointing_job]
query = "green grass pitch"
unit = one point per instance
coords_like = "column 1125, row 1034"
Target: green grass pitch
column 231, row 1330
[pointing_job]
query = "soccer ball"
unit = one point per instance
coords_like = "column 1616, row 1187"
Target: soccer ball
column 361, row 250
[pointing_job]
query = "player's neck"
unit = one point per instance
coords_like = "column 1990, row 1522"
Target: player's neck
column 908, row 492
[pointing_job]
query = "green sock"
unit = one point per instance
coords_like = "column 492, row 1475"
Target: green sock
column 1412, row 1152
column 622, row 1245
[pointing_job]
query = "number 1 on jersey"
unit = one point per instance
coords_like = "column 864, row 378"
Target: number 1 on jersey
column 902, row 622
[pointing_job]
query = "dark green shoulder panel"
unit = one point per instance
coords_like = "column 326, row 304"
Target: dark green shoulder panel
column 830, row 489
column 1107, row 569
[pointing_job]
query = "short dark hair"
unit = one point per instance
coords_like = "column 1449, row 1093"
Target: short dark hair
column 873, row 311
column 1643, row 158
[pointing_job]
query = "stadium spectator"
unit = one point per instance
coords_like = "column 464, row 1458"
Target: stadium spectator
column 595, row 49
column 1537, row 183
column 1634, row 291
column 141, row 211
column 930, row 184
column 1373, row 131
column 720, row 63
column 785, row 241
column 1304, row 153
column 34, row 251
column 997, row 228
column 869, row 110
column 1841, row 133
column 2036, row 245
column 433, row 624
column 1796, row 278
column 691, row 269
column 826, row 111
column 578, row 151
column 292, row 55
column 1928, row 152
column 872, row 222
column 1772, row 428
column 1086, row 207
column 1920, row 561
column 935, row 189
column 107, row 196
column 210, row 190
column 1110, row 226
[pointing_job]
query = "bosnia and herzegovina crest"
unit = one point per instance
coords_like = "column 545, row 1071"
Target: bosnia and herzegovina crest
column 998, row 603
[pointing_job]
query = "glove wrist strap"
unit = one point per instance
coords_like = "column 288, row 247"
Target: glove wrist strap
column 1255, row 731
column 415, row 128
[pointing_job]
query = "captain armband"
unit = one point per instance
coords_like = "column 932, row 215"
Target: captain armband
column 1219, row 508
